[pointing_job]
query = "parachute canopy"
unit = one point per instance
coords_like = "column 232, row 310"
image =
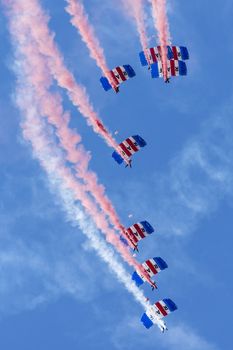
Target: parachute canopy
column 157, row 311
column 175, row 68
column 153, row 54
column 119, row 75
column 128, row 147
column 136, row 232
column 140, row 230
column 152, row 267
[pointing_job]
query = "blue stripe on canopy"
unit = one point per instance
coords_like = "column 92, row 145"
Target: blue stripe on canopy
column 146, row 321
column 137, row 279
column 131, row 73
column 170, row 304
column 182, row 68
column 105, row 83
column 140, row 141
column 161, row 263
column 148, row 228
column 117, row 157
column 143, row 59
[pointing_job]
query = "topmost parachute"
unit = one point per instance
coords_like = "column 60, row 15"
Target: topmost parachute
column 153, row 54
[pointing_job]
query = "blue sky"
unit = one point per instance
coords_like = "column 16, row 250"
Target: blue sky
column 55, row 291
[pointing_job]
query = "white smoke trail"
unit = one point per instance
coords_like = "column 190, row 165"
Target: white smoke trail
column 52, row 161
column 51, row 158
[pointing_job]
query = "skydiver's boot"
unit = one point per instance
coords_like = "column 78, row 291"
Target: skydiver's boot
column 129, row 164
column 154, row 286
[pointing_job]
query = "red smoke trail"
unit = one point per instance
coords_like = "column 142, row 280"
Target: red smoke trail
column 139, row 15
column 77, row 93
column 37, row 75
column 41, row 34
column 135, row 8
column 75, row 155
column 161, row 24
column 81, row 22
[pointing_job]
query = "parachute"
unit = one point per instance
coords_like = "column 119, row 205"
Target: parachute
column 157, row 311
column 137, row 232
column 119, row 75
column 128, row 147
column 152, row 267
column 175, row 68
column 153, row 54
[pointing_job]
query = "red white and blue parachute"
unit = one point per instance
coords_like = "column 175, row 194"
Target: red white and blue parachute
column 128, row 147
column 176, row 55
column 151, row 267
column 153, row 54
column 133, row 234
column 157, row 311
column 175, row 68
column 119, row 75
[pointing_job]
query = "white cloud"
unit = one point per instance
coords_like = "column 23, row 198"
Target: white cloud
column 178, row 337
column 182, row 337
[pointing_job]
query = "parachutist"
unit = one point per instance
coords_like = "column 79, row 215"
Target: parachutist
column 133, row 234
column 155, row 312
column 147, row 270
column 176, row 57
column 127, row 148
column 129, row 164
column 118, row 75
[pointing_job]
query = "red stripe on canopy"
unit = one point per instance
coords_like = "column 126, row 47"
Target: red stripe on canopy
column 123, row 147
column 132, row 145
column 173, row 71
column 153, row 55
column 151, row 266
column 114, row 78
column 119, row 71
column 175, row 54
column 132, row 236
column 161, row 309
column 141, row 234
